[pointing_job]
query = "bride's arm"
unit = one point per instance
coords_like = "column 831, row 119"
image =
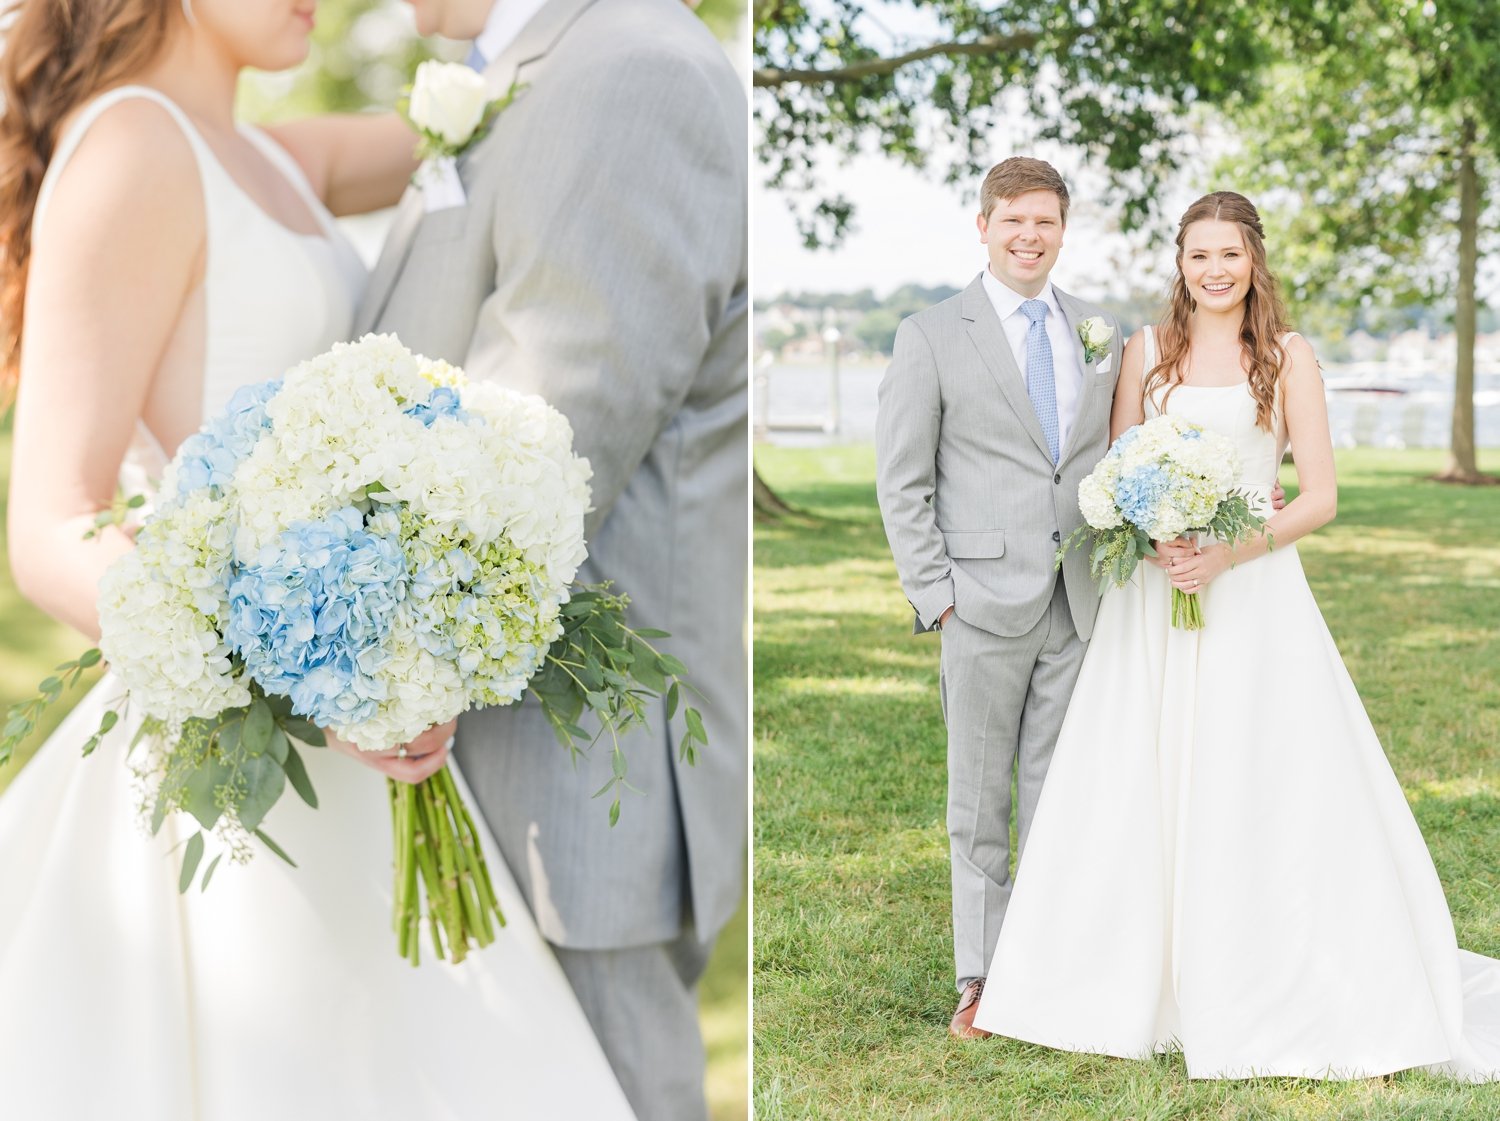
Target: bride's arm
column 1128, row 410
column 355, row 162
column 1317, row 497
column 112, row 266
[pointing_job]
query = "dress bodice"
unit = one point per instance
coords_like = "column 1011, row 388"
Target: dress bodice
column 1230, row 411
column 272, row 296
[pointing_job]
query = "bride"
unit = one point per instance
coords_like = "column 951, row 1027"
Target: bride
column 155, row 255
column 1221, row 860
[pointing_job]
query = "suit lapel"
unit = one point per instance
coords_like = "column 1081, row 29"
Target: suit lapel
column 535, row 40
column 538, row 37
column 1073, row 315
column 392, row 257
column 994, row 350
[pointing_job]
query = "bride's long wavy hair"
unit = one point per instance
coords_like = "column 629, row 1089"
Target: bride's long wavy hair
column 57, row 55
column 1265, row 323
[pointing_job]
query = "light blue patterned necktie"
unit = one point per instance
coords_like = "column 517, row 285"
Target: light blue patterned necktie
column 1041, row 381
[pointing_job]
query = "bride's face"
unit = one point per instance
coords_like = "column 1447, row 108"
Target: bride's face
column 265, row 34
column 1216, row 265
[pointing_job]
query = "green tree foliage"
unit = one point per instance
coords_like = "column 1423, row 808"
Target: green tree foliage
column 1370, row 155
column 1109, row 76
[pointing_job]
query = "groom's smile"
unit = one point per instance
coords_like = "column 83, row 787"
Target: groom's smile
column 1024, row 235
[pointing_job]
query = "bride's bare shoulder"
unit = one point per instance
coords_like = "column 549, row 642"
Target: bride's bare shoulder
column 133, row 166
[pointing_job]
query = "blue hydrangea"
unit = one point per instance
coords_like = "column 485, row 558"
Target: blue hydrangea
column 1128, row 437
column 1138, row 492
column 442, row 402
column 209, row 456
column 312, row 612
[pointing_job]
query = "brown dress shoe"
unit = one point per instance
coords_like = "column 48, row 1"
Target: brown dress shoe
column 962, row 1024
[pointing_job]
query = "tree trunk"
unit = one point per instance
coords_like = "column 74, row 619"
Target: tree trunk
column 1462, row 466
column 769, row 505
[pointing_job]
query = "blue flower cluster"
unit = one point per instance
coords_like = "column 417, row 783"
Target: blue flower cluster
column 442, row 403
column 209, row 456
column 1139, row 490
column 311, row 614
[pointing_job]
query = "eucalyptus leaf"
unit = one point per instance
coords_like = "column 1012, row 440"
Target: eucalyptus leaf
column 304, row 731
column 208, row 873
column 278, row 746
column 90, row 658
column 190, row 858
column 198, row 788
column 296, row 773
column 264, row 783
column 274, row 847
column 259, row 724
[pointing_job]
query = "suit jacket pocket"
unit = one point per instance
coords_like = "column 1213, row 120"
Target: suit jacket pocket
column 984, row 544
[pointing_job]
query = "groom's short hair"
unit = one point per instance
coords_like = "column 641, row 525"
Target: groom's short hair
column 1017, row 175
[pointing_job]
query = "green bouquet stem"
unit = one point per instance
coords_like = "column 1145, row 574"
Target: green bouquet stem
column 438, row 858
column 1187, row 612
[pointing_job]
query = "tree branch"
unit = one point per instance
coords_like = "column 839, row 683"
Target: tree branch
column 766, row 77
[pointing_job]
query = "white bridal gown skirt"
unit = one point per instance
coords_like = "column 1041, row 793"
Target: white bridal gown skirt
column 1222, row 859
column 278, row 993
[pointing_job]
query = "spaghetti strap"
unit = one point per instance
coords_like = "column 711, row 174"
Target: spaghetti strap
column 96, row 109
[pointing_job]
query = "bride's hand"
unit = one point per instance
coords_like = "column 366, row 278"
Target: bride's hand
column 1176, row 551
column 1196, row 572
column 420, row 759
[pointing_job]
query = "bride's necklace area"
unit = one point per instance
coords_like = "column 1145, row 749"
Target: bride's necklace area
column 1205, row 368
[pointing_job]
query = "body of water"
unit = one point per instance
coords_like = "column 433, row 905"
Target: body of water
column 1367, row 406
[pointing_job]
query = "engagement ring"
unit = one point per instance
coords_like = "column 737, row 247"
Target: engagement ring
column 401, row 752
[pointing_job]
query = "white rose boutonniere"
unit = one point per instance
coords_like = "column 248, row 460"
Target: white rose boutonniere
column 449, row 107
column 1095, row 334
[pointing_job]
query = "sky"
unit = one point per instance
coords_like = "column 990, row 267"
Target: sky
column 911, row 228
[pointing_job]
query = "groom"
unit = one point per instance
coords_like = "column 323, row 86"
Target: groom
column 990, row 415
column 597, row 256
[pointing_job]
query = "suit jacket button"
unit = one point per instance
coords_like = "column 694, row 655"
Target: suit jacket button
column 1056, row 536
column 1057, row 478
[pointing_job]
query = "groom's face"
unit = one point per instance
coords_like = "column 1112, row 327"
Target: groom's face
column 1023, row 235
column 452, row 19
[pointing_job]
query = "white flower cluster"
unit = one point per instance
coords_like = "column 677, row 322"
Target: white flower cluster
column 391, row 546
column 159, row 607
column 1165, row 477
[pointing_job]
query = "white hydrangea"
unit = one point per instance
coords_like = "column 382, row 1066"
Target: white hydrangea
column 159, row 607
column 1097, row 504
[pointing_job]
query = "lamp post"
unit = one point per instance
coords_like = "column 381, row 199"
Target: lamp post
column 831, row 337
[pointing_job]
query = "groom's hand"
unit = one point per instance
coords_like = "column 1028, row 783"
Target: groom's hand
column 420, row 759
column 1170, row 552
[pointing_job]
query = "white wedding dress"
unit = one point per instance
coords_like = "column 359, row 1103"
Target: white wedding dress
column 278, row 992
column 1222, row 859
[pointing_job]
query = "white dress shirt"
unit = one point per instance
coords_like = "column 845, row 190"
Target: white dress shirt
column 1067, row 350
column 505, row 22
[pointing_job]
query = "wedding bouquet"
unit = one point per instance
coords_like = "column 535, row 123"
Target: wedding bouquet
column 1161, row 479
column 373, row 545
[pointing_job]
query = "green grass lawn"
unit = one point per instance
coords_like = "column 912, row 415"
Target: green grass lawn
column 31, row 644
column 853, row 961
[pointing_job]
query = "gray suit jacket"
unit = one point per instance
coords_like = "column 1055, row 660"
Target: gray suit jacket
column 973, row 506
column 601, row 262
